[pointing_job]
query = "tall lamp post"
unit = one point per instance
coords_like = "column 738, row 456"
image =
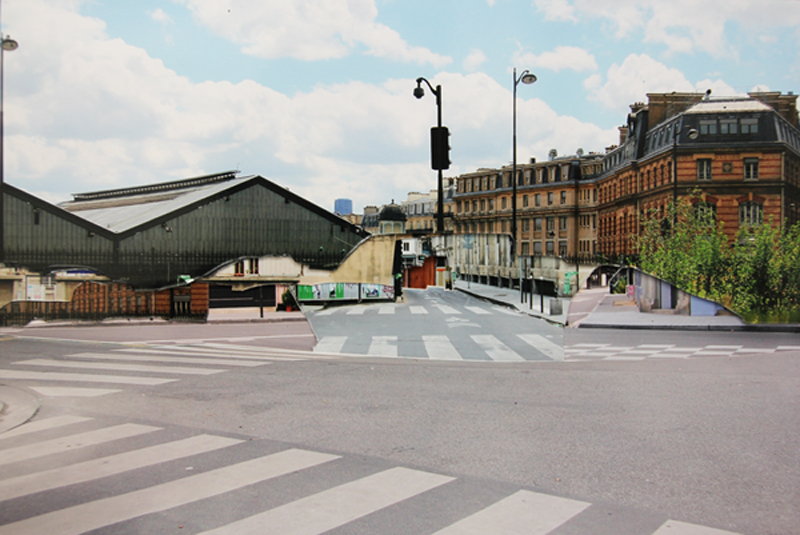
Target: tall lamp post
column 6, row 44
column 526, row 77
column 439, row 149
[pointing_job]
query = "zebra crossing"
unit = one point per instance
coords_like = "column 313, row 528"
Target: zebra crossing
column 140, row 365
column 130, row 477
column 473, row 347
column 594, row 352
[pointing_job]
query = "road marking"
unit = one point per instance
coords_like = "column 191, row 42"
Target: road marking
column 81, row 378
column 439, row 347
column 73, row 442
column 174, row 360
column 551, row 349
column 335, row 507
column 72, row 392
column 118, row 367
column 104, row 512
column 357, row 311
column 444, row 309
column 111, row 465
column 496, row 349
column 383, row 346
column 418, row 310
column 478, row 310
column 388, row 309
column 325, row 312
column 682, row 528
column 522, row 513
column 42, row 425
column 331, row 344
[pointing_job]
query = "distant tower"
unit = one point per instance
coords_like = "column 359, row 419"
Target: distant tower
column 343, row 206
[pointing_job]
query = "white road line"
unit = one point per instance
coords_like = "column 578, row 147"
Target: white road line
column 522, row 513
column 724, row 347
column 386, row 310
column 72, row 392
column 81, row 378
column 444, row 309
column 357, row 311
column 418, row 310
column 383, row 346
column 104, row 512
column 118, row 367
column 787, row 348
column 73, row 442
column 551, row 349
column 175, row 360
column 335, row 507
column 673, row 527
column 496, row 349
column 331, row 344
column 478, row 310
column 325, row 312
column 111, row 465
column 439, row 347
column 43, row 425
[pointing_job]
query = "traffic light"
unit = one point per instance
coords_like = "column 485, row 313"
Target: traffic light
column 440, row 148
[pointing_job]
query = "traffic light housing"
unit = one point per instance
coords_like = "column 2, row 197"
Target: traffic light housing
column 440, row 148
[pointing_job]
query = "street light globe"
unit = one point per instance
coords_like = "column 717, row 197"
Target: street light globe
column 529, row 78
column 9, row 44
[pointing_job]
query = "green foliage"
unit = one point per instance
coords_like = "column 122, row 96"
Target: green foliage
column 758, row 276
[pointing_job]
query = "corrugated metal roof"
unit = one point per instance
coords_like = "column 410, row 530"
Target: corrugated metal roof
column 122, row 210
column 728, row 106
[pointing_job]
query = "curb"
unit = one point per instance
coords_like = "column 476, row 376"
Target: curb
column 18, row 406
column 506, row 304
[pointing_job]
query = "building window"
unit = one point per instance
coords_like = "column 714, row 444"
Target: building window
column 563, row 197
column 749, row 126
column 537, row 247
column 524, row 201
column 750, row 213
column 551, row 224
column 526, row 225
column 483, row 205
column 562, row 222
column 550, row 198
column 537, row 200
column 728, row 126
column 562, row 248
column 549, row 248
column 491, row 205
column 239, row 268
column 252, row 266
column 504, row 203
column 526, row 249
column 706, row 213
column 537, row 224
column 704, row 169
column 751, row 168
column 708, row 127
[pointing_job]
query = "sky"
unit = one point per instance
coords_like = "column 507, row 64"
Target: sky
column 317, row 95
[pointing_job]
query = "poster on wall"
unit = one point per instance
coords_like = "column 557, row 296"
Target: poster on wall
column 331, row 291
column 377, row 291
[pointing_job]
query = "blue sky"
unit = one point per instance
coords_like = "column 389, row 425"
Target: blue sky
column 317, row 94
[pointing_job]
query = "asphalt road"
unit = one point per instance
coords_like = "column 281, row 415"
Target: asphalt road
column 637, row 446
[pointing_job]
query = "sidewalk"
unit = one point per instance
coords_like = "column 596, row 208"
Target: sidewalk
column 598, row 309
column 511, row 298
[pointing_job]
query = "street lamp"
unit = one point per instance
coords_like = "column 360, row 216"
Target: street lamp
column 526, row 77
column 439, row 148
column 6, row 44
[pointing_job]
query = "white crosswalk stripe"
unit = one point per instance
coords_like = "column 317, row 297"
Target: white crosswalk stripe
column 104, row 512
column 383, row 346
column 116, row 367
column 522, row 513
column 331, row 344
column 73, row 442
column 335, row 507
column 551, row 349
column 82, row 378
column 312, row 512
column 495, row 349
column 582, row 352
column 439, row 347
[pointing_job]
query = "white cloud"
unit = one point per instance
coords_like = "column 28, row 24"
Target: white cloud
column 308, row 29
column 159, row 16
column 640, row 74
column 558, row 10
column 474, row 60
column 86, row 112
column 563, row 57
column 682, row 26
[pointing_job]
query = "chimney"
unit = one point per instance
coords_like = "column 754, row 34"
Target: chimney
column 623, row 134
